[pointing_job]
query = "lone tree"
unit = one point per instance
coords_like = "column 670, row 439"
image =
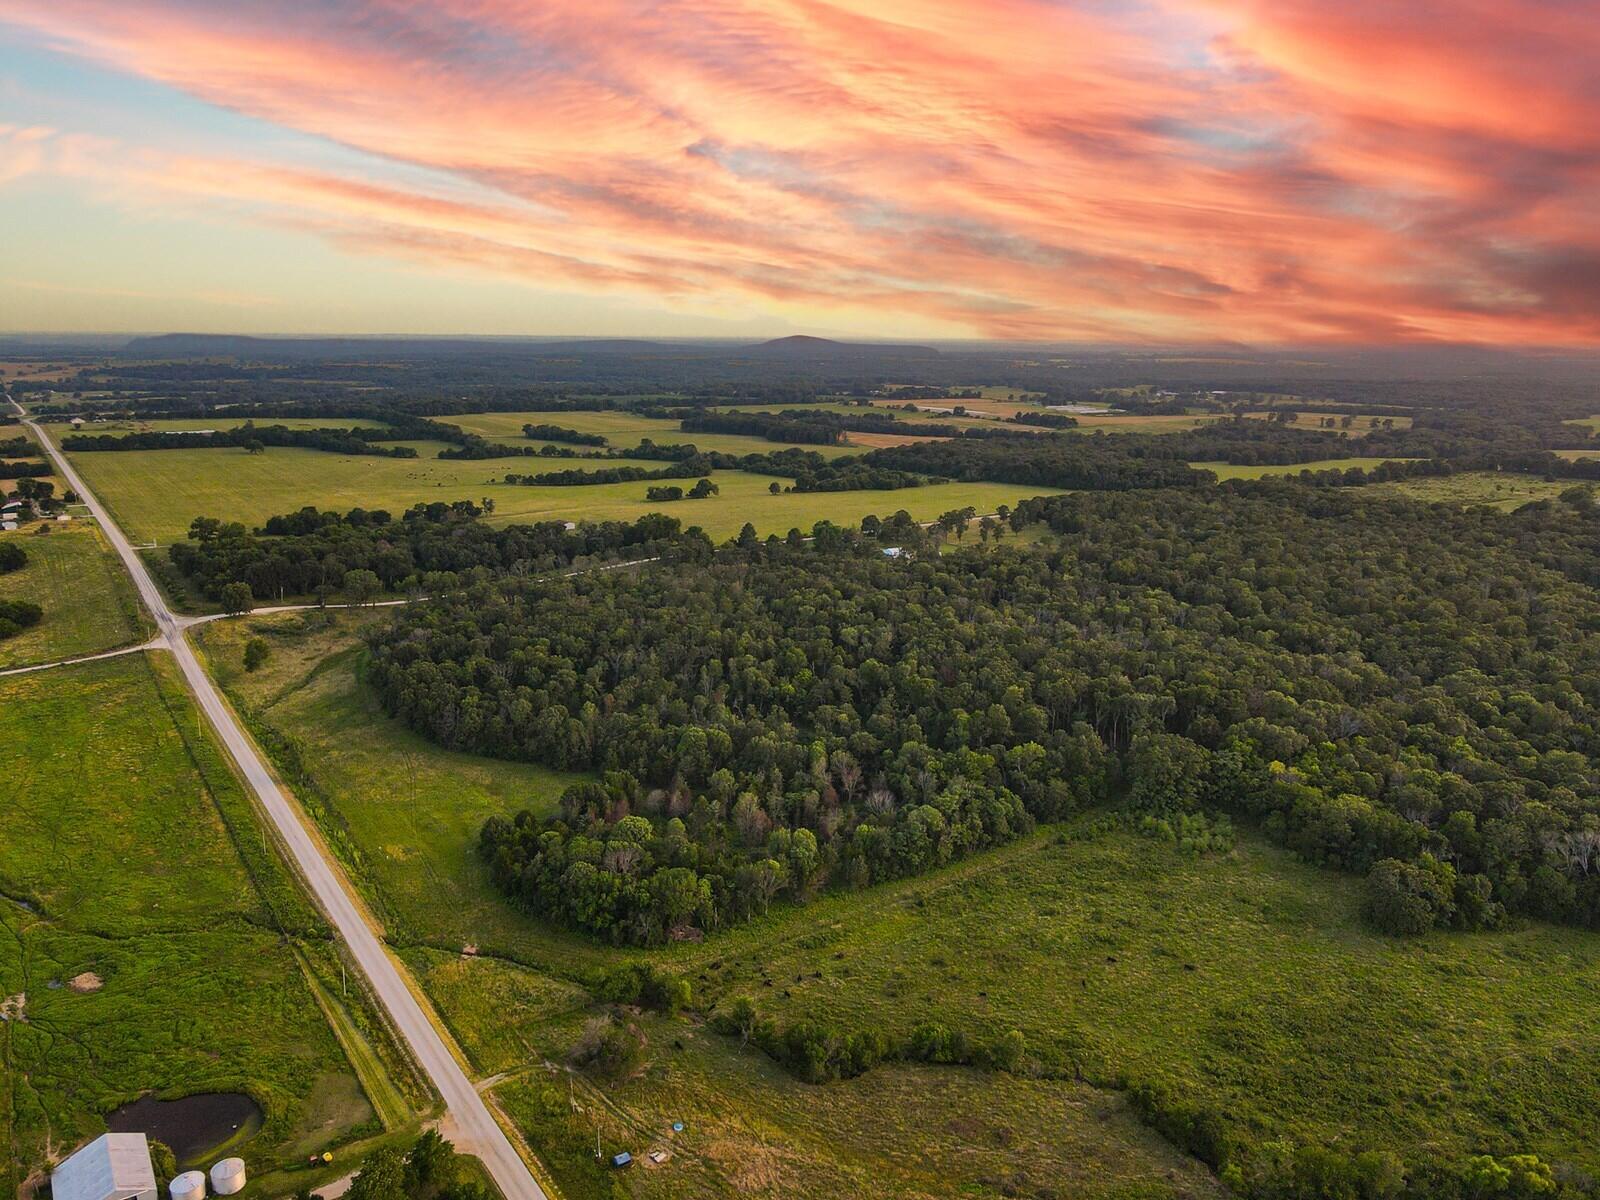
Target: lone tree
column 12, row 557
column 236, row 598
column 255, row 653
column 361, row 586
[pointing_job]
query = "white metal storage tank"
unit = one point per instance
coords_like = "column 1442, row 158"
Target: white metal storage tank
column 227, row 1176
column 191, row 1185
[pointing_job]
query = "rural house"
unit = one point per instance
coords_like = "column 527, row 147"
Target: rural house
column 115, row 1166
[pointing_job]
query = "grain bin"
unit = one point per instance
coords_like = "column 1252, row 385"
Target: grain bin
column 227, row 1176
column 191, row 1185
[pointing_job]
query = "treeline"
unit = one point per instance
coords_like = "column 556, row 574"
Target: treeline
column 1068, row 461
column 1048, row 420
column 809, row 470
column 357, row 440
column 804, row 429
column 18, row 447
column 431, row 548
column 818, row 1050
column 700, row 491
column 560, row 433
column 25, row 470
column 1373, row 681
column 689, row 468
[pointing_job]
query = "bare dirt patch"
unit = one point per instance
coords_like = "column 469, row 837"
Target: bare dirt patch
column 86, row 982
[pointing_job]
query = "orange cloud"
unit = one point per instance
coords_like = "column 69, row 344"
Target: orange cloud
column 1275, row 170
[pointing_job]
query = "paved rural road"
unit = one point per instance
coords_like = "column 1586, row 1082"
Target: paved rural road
column 470, row 1124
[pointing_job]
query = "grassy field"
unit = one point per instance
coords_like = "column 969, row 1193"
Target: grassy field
column 155, row 494
column 1504, row 490
column 88, row 601
column 750, row 1130
column 625, row 430
column 129, row 851
column 1592, row 424
column 60, row 429
column 1576, row 455
column 1229, row 471
column 1248, row 982
column 405, row 816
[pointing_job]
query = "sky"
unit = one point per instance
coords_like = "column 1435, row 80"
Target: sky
column 1134, row 171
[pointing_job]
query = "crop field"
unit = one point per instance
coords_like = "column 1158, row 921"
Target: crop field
column 150, row 930
column 1247, row 980
column 1505, row 490
column 88, row 602
column 155, row 494
column 1224, row 470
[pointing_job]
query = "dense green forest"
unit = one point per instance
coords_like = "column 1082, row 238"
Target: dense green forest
column 1377, row 682
column 429, row 548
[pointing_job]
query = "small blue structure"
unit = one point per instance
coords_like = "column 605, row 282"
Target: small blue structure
column 622, row 1160
column 677, row 1127
column 892, row 551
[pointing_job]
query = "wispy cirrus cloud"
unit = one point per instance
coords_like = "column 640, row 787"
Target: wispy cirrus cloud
column 1283, row 170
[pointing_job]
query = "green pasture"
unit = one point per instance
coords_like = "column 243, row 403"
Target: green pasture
column 150, row 930
column 624, row 431
column 155, row 494
column 88, row 601
column 1505, row 490
column 123, row 426
column 1224, row 470
column 901, row 1131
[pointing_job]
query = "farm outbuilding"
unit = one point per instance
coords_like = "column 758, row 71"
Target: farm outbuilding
column 115, row 1166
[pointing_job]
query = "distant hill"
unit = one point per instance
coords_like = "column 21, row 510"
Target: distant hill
column 803, row 346
column 187, row 345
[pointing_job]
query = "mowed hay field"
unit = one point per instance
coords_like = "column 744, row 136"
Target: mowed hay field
column 130, row 863
column 155, row 494
column 88, row 600
column 1247, row 982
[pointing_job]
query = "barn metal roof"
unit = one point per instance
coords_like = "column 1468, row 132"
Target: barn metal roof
column 114, row 1165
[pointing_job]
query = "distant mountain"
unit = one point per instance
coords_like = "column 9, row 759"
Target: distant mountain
column 803, row 346
column 189, row 345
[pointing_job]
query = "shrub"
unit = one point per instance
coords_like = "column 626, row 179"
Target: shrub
column 1410, row 898
column 17, row 615
column 255, row 653
column 12, row 557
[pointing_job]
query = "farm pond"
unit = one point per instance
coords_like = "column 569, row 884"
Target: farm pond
column 191, row 1126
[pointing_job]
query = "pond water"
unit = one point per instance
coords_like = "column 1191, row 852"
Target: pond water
column 192, row 1125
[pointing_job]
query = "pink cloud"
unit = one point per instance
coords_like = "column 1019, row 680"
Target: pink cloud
column 1241, row 169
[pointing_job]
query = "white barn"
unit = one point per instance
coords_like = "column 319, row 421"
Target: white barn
column 115, row 1166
